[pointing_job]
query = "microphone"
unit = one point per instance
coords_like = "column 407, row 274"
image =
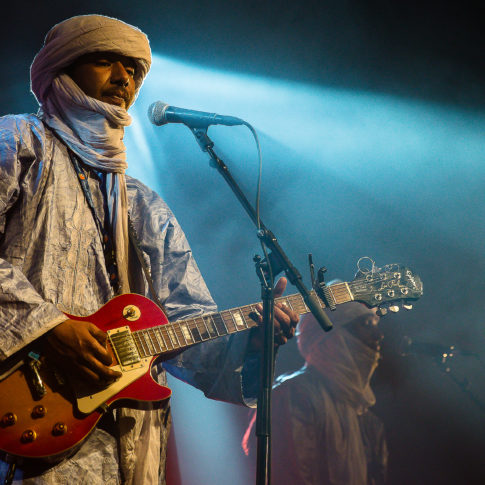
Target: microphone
column 160, row 113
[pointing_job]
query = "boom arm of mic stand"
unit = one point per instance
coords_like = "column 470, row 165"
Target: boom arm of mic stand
column 282, row 261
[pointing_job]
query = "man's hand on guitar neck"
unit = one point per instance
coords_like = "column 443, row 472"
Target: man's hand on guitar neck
column 80, row 347
column 285, row 321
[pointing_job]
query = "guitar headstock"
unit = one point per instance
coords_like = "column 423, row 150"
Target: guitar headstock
column 393, row 283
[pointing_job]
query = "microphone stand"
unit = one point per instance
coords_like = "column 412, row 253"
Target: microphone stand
column 276, row 262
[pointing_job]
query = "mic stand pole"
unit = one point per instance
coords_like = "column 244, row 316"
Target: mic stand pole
column 276, row 263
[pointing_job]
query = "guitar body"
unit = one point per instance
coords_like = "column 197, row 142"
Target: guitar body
column 51, row 426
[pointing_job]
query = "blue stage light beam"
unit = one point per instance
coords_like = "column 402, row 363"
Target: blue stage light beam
column 398, row 176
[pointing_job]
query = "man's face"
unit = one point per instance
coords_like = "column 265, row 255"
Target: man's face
column 105, row 76
column 366, row 329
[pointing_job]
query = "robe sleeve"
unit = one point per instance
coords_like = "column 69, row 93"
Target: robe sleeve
column 24, row 314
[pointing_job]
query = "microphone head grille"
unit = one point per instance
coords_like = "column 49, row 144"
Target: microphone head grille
column 156, row 113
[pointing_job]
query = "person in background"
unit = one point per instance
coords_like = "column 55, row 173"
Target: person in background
column 323, row 432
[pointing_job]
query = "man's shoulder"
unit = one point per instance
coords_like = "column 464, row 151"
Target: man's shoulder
column 23, row 135
column 140, row 192
column 21, row 123
column 142, row 198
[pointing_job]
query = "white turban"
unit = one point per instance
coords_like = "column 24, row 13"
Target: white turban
column 85, row 34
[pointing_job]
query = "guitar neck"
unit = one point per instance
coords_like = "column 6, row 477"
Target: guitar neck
column 179, row 335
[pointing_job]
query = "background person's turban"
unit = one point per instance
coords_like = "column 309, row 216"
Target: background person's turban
column 309, row 333
column 85, row 34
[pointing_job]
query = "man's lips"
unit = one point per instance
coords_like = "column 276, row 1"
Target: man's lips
column 119, row 96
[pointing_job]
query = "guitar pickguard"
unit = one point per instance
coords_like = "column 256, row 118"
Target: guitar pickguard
column 87, row 403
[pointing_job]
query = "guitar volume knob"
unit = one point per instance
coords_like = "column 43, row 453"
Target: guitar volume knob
column 131, row 313
column 59, row 429
column 9, row 419
column 28, row 436
column 39, row 412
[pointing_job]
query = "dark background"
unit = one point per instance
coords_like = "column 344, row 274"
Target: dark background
column 419, row 51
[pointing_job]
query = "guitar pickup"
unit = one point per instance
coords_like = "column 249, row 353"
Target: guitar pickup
column 125, row 348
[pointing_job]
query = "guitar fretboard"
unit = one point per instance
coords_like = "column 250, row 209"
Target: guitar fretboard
column 178, row 335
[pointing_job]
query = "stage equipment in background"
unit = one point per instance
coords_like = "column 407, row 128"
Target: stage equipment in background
column 464, row 368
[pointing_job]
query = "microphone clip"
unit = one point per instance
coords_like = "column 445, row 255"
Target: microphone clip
column 202, row 138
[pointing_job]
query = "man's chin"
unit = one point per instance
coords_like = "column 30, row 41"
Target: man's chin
column 115, row 100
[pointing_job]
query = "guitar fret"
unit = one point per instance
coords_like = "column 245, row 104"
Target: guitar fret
column 287, row 302
column 150, row 340
column 174, row 330
column 228, row 321
column 205, row 331
column 239, row 320
column 194, row 330
column 186, row 333
column 247, row 311
column 219, row 324
column 156, row 344
column 347, row 287
column 210, row 326
column 168, row 337
column 180, row 334
column 173, row 336
column 141, row 345
column 135, row 339
column 164, row 343
column 147, row 341
column 159, row 343
column 233, row 322
column 298, row 304
column 341, row 292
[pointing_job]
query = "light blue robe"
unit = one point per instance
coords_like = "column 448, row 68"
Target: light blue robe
column 52, row 261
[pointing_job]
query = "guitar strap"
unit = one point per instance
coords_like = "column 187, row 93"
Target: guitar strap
column 136, row 246
column 107, row 240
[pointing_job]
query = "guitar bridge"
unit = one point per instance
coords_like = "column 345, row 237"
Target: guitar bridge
column 125, row 348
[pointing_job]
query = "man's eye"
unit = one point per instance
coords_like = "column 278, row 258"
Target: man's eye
column 103, row 63
column 131, row 72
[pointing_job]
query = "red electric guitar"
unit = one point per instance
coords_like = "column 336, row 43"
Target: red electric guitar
column 45, row 415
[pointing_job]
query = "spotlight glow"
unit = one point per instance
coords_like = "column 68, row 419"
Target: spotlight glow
column 374, row 174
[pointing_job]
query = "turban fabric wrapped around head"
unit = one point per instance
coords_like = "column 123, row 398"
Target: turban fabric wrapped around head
column 310, row 335
column 85, row 34
column 91, row 128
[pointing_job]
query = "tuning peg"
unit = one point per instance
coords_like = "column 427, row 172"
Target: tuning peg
column 407, row 306
column 394, row 308
column 382, row 311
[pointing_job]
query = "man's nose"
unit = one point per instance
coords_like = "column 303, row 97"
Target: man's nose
column 119, row 75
